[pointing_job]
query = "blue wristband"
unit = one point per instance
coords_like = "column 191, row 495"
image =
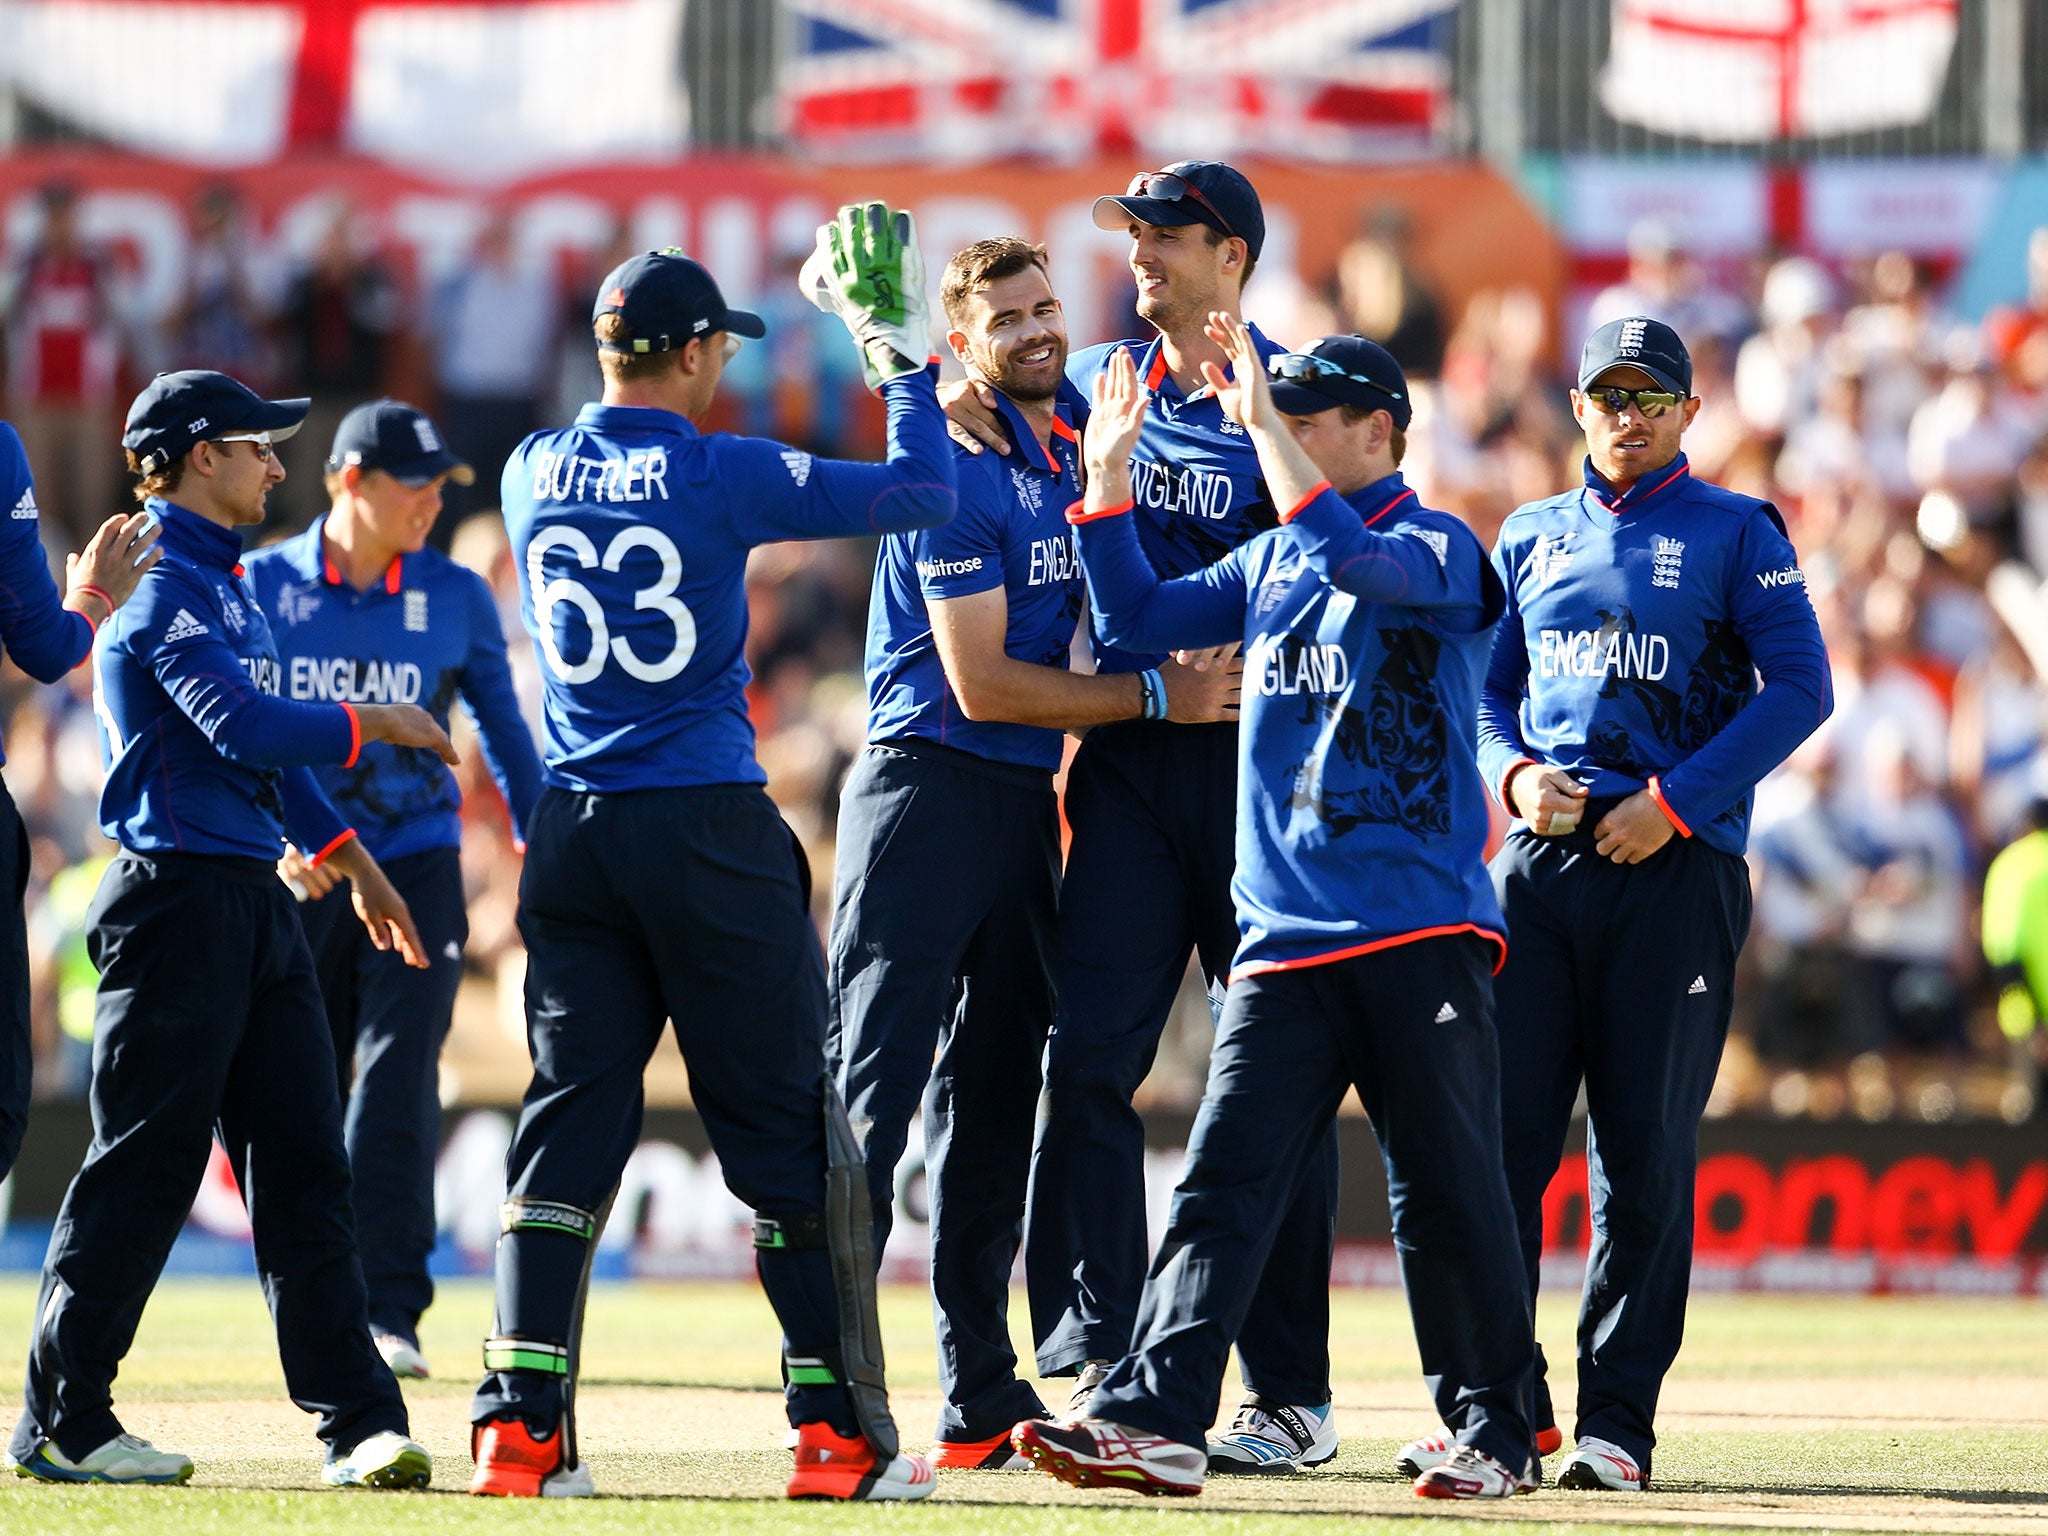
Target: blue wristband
column 1152, row 690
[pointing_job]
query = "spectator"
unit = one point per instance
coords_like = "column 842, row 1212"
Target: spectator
column 1777, row 371
column 1381, row 296
column 217, row 321
column 60, row 302
column 1968, row 439
column 492, row 329
column 1665, row 283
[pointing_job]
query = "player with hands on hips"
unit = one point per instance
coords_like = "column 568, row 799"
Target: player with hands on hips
column 46, row 634
column 208, row 1017
column 1369, row 932
column 661, row 885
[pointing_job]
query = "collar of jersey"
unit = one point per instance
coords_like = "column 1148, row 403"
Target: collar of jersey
column 1152, row 365
column 1026, row 440
column 1375, row 501
column 197, row 539
column 633, row 418
column 1652, row 490
column 308, row 556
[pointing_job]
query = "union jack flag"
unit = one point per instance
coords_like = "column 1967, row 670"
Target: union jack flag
column 965, row 80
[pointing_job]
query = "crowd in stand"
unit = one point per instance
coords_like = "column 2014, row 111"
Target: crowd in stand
column 1907, row 451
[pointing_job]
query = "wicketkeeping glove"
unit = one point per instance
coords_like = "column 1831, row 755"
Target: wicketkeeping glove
column 868, row 271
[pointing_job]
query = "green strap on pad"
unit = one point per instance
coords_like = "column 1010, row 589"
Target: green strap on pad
column 507, row 1354
column 805, row 1229
column 520, row 1214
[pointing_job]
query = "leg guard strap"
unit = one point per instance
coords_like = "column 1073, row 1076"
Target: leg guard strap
column 509, row 1354
column 805, row 1229
column 522, row 1213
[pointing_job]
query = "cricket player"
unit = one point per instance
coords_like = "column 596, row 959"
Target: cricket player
column 1150, row 808
column 949, row 858
column 209, row 1019
column 1623, row 727
column 1369, row 933
column 46, row 636
column 660, row 883
column 365, row 612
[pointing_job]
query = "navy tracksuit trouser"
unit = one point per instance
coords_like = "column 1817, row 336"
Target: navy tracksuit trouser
column 208, row 1023
column 641, row 909
column 17, row 1047
column 1411, row 1026
column 946, row 898
column 389, row 1021
column 1620, row 976
column 1153, row 812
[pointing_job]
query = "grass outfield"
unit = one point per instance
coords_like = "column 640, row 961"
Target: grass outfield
column 1806, row 1413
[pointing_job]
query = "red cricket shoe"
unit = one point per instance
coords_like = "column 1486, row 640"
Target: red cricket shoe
column 833, row 1466
column 994, row 1454
column 512, row 1463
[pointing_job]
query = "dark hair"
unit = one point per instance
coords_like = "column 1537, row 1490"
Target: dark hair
column 982, row 263
column 161, row 483
column 629, row 367
column 1216, row 237
column 1354, row 414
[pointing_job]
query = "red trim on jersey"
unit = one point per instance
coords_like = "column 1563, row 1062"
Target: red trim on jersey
column 1078, row 513
column 1060, row 428
column 1408, row 495
column 1657, row 794
column 1295, row 511
column 1157, row 371
column 355, row 735
column 325, row 853
column 1261, row 967
column 393, row 576
column 1507, row 777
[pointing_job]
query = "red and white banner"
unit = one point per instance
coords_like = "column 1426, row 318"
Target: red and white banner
column 1751, row 70
column 469, row 91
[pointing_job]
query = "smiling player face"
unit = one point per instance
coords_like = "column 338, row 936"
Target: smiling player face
column 1627, row 444
column 1180, row 275
column 1014, row 335
column 396, row 514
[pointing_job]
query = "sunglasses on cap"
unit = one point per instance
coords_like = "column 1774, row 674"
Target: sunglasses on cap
column 1166, row 187
column 1307, row 368
column 1652, row 403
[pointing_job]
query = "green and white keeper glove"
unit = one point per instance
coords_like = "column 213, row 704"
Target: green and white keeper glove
column 868, row 271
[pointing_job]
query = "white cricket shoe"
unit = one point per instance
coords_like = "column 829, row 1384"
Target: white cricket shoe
column 1093, row 1374
column 1096, row 1453
column 1275, row 1441
column 124, row 1459
column 1433, row 1450
column 1597, row 1463
column 1470, row 1473
column 403, row 1356
column 385, row 1460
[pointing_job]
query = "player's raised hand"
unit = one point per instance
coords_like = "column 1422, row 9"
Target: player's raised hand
column 112, row 562
column 1244, row 395
column 406, row 725
column 867, row 269
column 1112, row 434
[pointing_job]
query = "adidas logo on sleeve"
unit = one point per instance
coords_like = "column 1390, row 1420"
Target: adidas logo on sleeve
column 1699, row 985
column 25, row 509
column 184, row 627
column 1446, row 1014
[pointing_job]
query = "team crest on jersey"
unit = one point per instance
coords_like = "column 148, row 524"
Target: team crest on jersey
column 415, row 612
column 297, row 602
column 1666, row 558
column 1548, row 558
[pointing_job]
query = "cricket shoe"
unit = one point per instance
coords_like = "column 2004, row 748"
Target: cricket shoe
column 124, row 1459
column 1418, row 1456
column 512, row 1462
column 1095, row 1453
column 994, row 1454
column 1470, row 1473
column 1093, row 1374
column 830, row 1465
column 403, row 1356
column 1596, row 1463
column 1274, row 1442
column 387, row 1460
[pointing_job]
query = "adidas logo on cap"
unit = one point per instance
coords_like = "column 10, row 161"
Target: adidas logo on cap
column 1446, row 1014
column 185, row 627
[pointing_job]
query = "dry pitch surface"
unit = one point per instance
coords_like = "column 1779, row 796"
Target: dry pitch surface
column 1809, row 1414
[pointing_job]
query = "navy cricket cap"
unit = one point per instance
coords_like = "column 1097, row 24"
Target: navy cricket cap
column 177, row 410
column 1641, row 343
column 398, row 439
column 1189, row 192
column 666, row 299
column 1340, row 370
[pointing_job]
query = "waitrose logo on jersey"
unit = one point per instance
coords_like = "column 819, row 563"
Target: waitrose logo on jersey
column 345, row 680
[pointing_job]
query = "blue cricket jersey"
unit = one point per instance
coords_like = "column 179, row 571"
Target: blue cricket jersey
column 43, row 637
column 1010, row 532
column 1635, row 628
column 1195, row 476
column 202, row 754
column 632, row 529
column 1366, row 623
column 424, row 634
